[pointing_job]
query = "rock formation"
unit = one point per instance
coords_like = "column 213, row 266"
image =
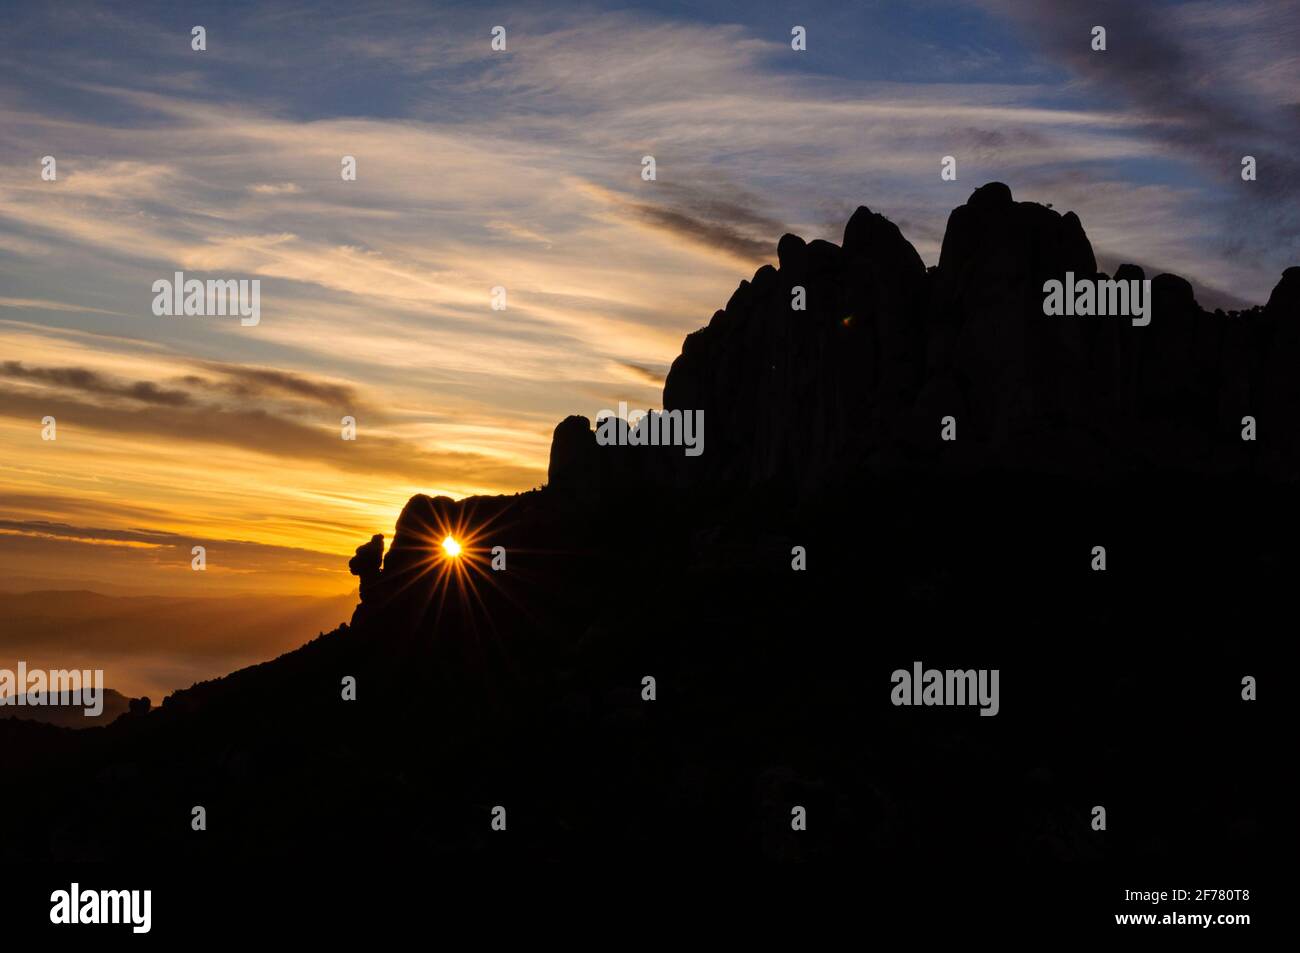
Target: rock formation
column 860, row 380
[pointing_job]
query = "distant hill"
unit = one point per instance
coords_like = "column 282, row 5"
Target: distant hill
column 69, row 716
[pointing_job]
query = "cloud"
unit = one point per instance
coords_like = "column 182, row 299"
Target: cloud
column 252, row 382
column 88, row 381
column 711, row 234
column 645, row 374
column 734, row 226
column 263, row 432
column 244, row 382
column 1194, row 73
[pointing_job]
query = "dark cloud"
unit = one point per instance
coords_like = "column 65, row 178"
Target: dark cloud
column 240, row 381
column 714, row 234
column 723, row 203
column 261, row 431
column 228, row 380
column 1194, row 95
column 649, row 375
column 92, row 382
column 717, row 216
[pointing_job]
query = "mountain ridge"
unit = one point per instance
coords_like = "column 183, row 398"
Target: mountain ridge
column 887, row 348
column 523, row 685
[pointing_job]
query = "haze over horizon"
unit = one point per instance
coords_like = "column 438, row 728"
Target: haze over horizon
column 520, row 169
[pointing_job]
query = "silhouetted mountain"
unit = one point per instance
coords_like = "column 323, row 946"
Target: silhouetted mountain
column 72, row 716
column 521, row 685
column 860, row 381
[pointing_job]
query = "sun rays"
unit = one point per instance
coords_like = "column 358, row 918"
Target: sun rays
column 453, row 561
column 468, row 569
column 457, row 557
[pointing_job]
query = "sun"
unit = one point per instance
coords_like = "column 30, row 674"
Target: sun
column 453, row 565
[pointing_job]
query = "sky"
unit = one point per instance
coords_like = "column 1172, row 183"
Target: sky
column 521, row 169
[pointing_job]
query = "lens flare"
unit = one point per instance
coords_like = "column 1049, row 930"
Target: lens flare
column 448, row 562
